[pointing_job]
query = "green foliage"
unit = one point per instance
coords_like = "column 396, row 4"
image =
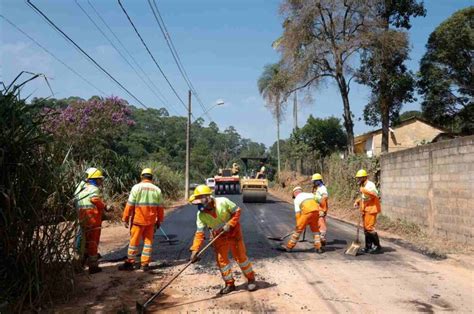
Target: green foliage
column 36, row 263
column 169, row 181
column 408, row 115
column 446, row 73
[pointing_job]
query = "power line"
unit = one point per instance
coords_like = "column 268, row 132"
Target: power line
column 151, row 55
column 121, row 54
column 174, row 53
column 52, row 55
column 51, row 23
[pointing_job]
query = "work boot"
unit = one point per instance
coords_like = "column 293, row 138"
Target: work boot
column 368, row 242
column 94, row 270
column 227, row 289
column 127, row 266
column 323, row 242
column 377, row 248
column 146, row 267
column 319, row 250
column 251, row 285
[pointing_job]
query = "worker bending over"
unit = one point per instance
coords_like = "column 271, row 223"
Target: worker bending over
column 143, row 212
column 369, row 206
column 90, row 206
column 321, row 196
column 221, row 215
column 307, row 213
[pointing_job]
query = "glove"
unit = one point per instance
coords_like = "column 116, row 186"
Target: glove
column 125, row 224
column 226, row 228
column 157, row 225
column 322, row 213
column 194, row 258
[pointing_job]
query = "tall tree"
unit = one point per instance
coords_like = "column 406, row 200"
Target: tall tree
column 319, row 39
column 383, row 66
column 446, row 73
column 272, row 85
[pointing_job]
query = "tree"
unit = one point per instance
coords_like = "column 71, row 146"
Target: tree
column 382, row 62
column 407, row 115
column 319, row 39
column 446, row 73
column 272, row 85
column 324, row 136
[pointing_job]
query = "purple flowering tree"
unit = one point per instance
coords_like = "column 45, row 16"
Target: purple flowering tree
column 89, row 127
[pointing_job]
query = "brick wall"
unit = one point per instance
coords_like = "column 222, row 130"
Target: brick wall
column 432, row 185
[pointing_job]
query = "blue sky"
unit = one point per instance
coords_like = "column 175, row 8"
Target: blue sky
column 222, row 44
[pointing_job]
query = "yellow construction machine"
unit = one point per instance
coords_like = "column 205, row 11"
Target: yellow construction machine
column 254, row 184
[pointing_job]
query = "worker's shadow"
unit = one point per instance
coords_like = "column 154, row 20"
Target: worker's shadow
column 239, row 289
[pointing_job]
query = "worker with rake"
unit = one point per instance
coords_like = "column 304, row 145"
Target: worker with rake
column 369, row 206
column 307, row 213
column 221, row 215
column 321, row 196
column 144, row 211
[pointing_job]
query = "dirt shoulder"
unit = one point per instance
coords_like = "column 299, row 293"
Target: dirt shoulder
column 403, row 233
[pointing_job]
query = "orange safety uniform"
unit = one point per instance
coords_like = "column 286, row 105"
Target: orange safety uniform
column 321, row 197
column 307, row 213
column 369, row 205
column 144, row 209
column 91, row 207
column 222, row 212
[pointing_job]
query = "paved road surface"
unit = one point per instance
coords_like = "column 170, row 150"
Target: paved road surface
column 398, row 280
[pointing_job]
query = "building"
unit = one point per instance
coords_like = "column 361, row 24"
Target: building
column 409, row 133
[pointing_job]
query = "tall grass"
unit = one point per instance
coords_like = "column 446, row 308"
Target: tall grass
column 36, row 260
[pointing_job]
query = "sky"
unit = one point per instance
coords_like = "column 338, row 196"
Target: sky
column 223, row 46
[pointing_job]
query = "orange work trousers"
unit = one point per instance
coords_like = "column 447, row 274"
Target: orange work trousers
column 311, row 219
column 91, row 221
column 322, row 227
column 235, row 244
column 369, row 222
column 137, row 233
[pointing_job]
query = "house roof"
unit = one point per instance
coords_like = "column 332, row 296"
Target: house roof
column 363, row 137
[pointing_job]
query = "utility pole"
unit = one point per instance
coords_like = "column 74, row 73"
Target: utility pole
column 188, row 149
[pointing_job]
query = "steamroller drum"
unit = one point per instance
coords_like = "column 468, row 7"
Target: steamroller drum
column 254, row 196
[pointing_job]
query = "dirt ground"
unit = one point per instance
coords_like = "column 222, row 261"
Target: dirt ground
column 399, row 280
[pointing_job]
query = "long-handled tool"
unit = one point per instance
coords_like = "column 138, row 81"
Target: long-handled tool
column 171, row 242
column 304, row 236
column 141, row 308
column 354, row 247
column 280, row 238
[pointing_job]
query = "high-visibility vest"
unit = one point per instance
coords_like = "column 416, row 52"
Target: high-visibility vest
column 224, row 208
column 305, row 203
column 144, row 204
column 320, row 193
column 84, row 197
column 370, row 204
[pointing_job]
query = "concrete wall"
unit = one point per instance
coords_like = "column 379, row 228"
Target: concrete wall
column 432, row 185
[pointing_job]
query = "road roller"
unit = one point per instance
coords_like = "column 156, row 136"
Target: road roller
column 254, row 186
column 227, row 182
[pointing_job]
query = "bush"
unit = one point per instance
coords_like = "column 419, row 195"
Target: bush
column 36, row 233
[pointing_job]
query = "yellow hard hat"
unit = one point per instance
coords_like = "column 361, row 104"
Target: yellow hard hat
column 200, row 190
column 147, row 171
column 361, row 173
column 316, row 176
column 94, row 173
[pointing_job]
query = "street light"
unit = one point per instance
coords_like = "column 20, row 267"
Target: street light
column 219, row 102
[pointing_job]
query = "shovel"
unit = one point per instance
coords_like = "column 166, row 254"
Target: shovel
column 141, row 308
column 354, row 247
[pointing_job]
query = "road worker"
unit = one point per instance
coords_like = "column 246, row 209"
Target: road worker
column 91, row 206
column 307, row 213
column 321, row 196
column 221, row 215
column 261, row 174
column 144, row 211
column 369, row 206
column 235, row 168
